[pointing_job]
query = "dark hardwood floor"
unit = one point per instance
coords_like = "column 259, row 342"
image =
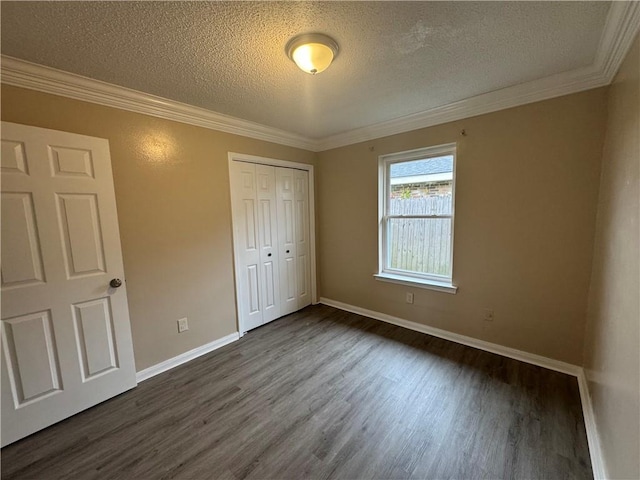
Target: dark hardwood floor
column 324, row 394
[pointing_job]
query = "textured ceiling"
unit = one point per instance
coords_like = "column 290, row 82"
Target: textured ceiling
column 396, row 58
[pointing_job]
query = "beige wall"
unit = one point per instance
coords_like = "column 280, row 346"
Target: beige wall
column 526, row 193
column 172, row 192
column 612, row 342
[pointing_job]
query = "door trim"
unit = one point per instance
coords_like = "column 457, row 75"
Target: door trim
column 274, row 162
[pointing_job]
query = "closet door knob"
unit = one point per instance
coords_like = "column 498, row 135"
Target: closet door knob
column 287, row 251
column 268, row 254
column 115, row 283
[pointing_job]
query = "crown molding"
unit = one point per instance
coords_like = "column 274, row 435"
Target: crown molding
column 535, row 91
column 20, row 73
column 620, row 29
column 621, row 26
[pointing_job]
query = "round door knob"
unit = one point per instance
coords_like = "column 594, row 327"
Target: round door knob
column 268, row 254
column 287, row 251
column 115, row 283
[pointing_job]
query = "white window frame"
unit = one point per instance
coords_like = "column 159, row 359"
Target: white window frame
column 441, row 283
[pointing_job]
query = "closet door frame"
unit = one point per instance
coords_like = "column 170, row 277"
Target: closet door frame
column 241, row 157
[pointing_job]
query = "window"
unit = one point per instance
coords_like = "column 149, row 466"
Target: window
column 416, row 208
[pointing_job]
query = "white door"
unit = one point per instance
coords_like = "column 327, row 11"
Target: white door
column 255, row 242
column 287, row 239
column 267, row 242
column 244, row 200
column 66, row 339
column 292, row 192
column 271, row 223
column 303, row 260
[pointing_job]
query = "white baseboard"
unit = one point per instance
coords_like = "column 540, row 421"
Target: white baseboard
column 154, row 370
column 595, row 450
column 527, row 357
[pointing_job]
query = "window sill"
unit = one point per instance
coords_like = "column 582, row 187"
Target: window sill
column 417, row 282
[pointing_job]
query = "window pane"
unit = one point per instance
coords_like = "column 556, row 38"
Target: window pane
column 421, row 187
column 420, row 245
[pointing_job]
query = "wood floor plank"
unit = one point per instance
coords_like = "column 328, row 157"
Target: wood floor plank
column 324, row 394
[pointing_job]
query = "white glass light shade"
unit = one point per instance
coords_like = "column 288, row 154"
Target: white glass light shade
column 312, row 52
column 313, row 57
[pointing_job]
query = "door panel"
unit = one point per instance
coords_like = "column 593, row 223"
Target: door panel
column 13, row 157
column 254, row 291
column 270, row 300
column 303, row 278
column 80, row 229
column 62, row 324
column 285, row 198
column 21, row 255
column 93, row 323
column 288, row 222
column 249, row 224
column 268, row 227
column 266, row 221
column 244, row 201
column 302, row 274
column 71, row 162
column 32, row 358
column 290, row 283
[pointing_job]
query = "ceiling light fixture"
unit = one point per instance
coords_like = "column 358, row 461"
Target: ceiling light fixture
column 312, row 52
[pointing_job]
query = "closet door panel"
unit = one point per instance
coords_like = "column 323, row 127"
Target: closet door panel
column 246, row 243
column 303, row 262
column 285, row 198
column 268, row 242
column 271, row 241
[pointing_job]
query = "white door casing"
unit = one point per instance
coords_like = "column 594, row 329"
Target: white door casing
column 293, row 202
column 66, row 339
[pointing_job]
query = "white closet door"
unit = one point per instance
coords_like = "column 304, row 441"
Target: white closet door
column 244, row 203
column 270, row 207
column 66, row 339
column 285, row 189
column 303, row 262
column 268, row 242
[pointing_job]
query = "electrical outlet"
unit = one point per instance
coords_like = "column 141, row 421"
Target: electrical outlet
column 409, row 297
column 488, row 315
column 183, row 326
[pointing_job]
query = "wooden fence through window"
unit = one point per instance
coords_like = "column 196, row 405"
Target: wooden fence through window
column 421, row 244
